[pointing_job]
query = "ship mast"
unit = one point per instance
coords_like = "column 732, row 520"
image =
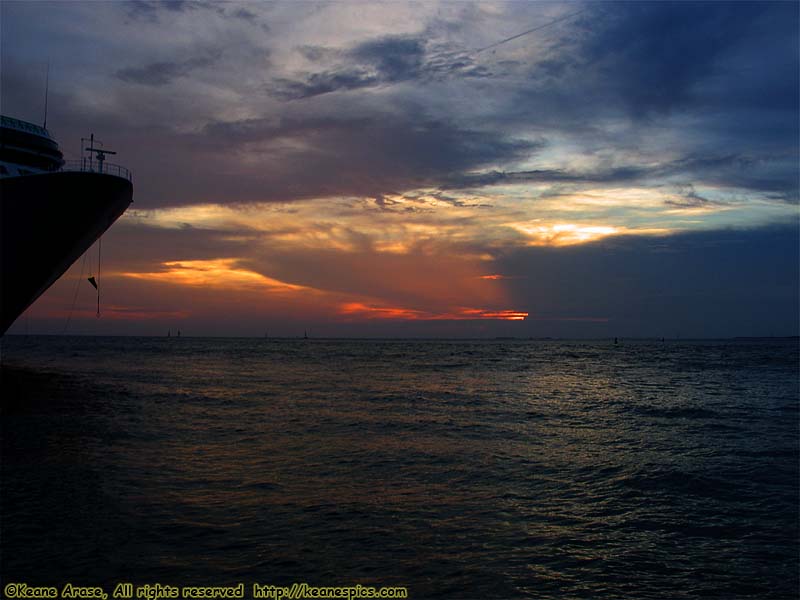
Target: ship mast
column 101, row 154
column 46, row 93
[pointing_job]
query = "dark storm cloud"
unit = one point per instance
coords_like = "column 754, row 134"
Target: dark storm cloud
column 243, row 13
column 613, row 175
column 714, row 283
column 339, row 155
column 648, row 59
column 394, row 58
column 765, row 174
column 316, row 53
column 689, row 198
column 161, row 73
column 386, row 60
column 652, row 55
column 443, row 62
column 723, row 75
column 317, row 84
column 149, row 9
column 382, row 61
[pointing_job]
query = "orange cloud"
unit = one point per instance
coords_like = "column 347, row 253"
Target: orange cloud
column 497, row 277
column 221, row 272
column 501, row 315
column 372, row 311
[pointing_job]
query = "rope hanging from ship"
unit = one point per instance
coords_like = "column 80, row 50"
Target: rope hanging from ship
column 99, row 250
column 75, row 295
column 95, row 281
column 91, row 279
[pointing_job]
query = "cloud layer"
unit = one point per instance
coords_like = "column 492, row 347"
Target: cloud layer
column 388, row 156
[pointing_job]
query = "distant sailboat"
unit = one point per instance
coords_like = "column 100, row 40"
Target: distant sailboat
column 305, row 334
column 169, row 332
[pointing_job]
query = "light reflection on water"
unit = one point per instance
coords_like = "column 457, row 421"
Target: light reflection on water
column 459, row 469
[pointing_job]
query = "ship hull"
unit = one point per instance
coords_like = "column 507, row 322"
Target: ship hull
column 47, row 221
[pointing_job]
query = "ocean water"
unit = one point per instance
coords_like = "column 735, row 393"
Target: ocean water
column 459, row 469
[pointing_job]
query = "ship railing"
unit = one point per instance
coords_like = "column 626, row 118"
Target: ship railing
column 13, row 123
column 93, row 166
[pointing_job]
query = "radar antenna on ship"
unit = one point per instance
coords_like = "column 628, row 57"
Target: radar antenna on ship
column 101, row 153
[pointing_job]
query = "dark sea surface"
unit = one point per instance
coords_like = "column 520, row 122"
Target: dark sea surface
column 460, row 469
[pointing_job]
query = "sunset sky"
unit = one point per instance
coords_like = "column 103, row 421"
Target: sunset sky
column 389, row 169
